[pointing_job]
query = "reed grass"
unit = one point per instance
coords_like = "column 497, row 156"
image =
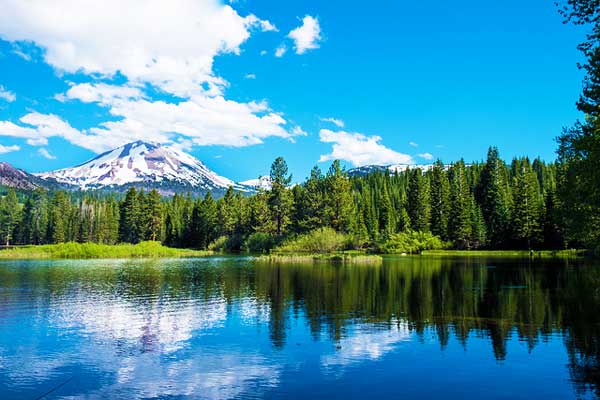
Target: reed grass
column 95, row 250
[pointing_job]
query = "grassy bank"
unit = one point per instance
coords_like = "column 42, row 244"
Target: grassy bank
column 506, row 253
column 94, row 250
column 343, row 258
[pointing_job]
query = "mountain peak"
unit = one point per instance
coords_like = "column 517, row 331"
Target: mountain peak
column 144, row 164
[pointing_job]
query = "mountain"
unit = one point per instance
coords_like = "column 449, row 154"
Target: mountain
column 144, row 165
column 368, row 169
column 264, row 183
column 18, row 179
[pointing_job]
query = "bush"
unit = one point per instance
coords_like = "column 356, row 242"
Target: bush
column 411, row 242
column 219, row 244
column 259, row 242
column 322, row 240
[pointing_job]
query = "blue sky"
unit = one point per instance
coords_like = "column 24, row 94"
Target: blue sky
column 409, row 81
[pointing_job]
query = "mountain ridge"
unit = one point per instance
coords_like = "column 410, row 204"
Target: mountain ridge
column 137, row 164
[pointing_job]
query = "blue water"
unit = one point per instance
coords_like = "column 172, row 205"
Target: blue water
column 225, row 328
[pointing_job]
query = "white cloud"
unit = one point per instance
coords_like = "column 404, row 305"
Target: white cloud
column 165, row 45
column 337, row 122
column 46, row 154
column 8, row 149
column 263, row 52
column 101, row 93
column 168, row 44
column 307, row 36
column 39, row 127
column 280, row 51
column 265, row 26
column 7, row 95
column 201, row 120
column 426, row 156
column 359, row 149
column 413, row 144
column 250, row 76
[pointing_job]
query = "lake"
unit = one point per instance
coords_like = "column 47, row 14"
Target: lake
column 227, row 327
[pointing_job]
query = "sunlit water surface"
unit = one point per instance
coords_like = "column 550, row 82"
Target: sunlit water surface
column 223, row 328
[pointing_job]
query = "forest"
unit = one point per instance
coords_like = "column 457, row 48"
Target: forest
column 486, row 205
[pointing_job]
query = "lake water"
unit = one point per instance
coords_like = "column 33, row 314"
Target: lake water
column 222, row 328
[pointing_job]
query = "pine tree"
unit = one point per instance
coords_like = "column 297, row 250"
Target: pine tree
column 440, row 200
column 459, row 222
column 310, row 202
column 57, row 225
column 280, row 199
column 154, row 213
column 208, row 221
column 494, row 198
column 387, row 222
column 338, row 198
column 526, row 211
column 10, row 215
column 227, row 212
column 418, row 201
column 130, row 231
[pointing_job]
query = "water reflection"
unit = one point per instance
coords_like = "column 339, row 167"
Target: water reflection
column 229, row 328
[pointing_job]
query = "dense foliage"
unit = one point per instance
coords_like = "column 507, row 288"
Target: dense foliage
column 483, row 205
column 579, row 146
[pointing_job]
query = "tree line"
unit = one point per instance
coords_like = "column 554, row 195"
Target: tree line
column 482, row 205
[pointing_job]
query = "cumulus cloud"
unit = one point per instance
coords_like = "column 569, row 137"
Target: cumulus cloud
column 40, row 127
column 46, row 154
column 280, row 51
column 426, row 156
column 413, row 144
column 359, row 149
column 307, row 36
column 8, row 149
column 337, row 122
column 169, row 46
column 7, row 95
column 200, row 120
column 250, row 76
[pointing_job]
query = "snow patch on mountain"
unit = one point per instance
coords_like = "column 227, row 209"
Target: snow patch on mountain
column 263, row 182
column 142, row 163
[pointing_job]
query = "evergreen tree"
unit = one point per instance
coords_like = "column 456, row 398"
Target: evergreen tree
column 418, row 201
column 130, row 230
column 227, row 212
column 493, row 196
column 57, row 225
column 440, row 200
column 154, row 212
column 280, row 199
column 459, row 222
column 338, row 198
column 526, row 211
column 10, row 215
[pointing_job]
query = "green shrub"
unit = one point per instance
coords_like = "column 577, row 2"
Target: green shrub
column 322, row 240
column 259, row 242
column 219, row 244
column 411, row 242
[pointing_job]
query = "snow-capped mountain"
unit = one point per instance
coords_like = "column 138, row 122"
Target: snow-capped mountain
column 264, row 183
column 146, row 165
column 368, row 169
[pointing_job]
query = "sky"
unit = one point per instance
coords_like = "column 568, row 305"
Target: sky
column 238, row 83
